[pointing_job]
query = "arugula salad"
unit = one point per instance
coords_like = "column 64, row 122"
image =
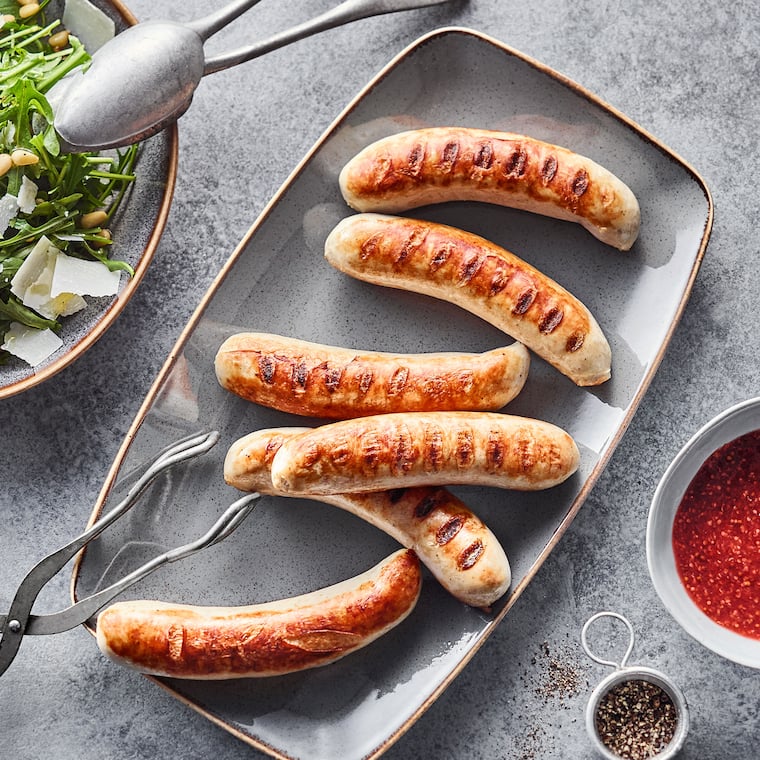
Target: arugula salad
column 55, row 207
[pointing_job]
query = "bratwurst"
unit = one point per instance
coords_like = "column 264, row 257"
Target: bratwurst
column 450, row 540
column 480, row 277
column 315, row 380
column 387, row 451
column 439, row 164
column 187, row 641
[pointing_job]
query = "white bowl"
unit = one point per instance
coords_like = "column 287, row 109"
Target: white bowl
column 732, row 423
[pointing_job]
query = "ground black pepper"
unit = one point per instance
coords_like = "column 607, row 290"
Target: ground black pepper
column 636, row 719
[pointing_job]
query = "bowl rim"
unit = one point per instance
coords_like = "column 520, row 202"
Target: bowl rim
column 733, row 422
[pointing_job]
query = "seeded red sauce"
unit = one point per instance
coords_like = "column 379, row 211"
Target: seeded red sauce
column 716, row 536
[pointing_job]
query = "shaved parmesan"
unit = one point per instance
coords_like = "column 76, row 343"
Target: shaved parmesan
column 40, row 258
column 85, row 278
column 69, row 303
column 8, row 210
column 27, row 195
column 52, row 283
column 30, row 344
column 10, row 205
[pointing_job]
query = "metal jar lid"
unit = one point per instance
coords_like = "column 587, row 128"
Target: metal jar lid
column 624, row 673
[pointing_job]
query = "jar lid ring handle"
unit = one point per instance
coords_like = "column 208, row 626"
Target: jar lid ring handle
column 587, row 650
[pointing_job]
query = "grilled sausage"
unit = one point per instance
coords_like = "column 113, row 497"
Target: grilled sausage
column 479, row 276
column 452, row 542
column 315, row 380
column 389, row 451
column 185, row 641
column 438, row 164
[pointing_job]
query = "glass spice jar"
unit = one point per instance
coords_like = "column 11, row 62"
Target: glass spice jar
column 635, row 713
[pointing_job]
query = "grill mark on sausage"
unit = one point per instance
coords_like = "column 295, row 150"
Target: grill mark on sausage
column 333, row 377
column 340, row 453
column 398, row 381
column 574, row 342
column 403, row 458
column 483, row 158
column 449, row 156
column 299, row 375
column 499, row 280
column 441, row 256
column 580, row 183
column 415, row 160
column 516, row 164
column 549, row 169
column 410, row 245
column 469, row 268
column 383, row 171
column 551, row 320
column 371, row 246
column 470, row 556
column 366, row 378
column 272, row 447
column 433, row 449
column 395, row 495
column 449, row 530
column 495, row 449
column 267, row 367
column 371, row 450
column 426, row 505
column 465, row 448
column 526, row 457
column 524, row 301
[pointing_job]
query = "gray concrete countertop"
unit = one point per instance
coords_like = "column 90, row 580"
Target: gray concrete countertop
column 687, row 73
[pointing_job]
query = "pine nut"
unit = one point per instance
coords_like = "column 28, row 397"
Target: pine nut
column 23, row 157
column 104, row 234
column 59, row 40
column 27, row 11
column 93, row 219
column 5, row 164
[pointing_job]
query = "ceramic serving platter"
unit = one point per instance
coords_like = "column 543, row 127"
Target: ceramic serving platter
column 278, row 281
column 136, row 230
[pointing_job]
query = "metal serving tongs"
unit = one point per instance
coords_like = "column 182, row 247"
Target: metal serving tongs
column 144, row 78
column 20, row 621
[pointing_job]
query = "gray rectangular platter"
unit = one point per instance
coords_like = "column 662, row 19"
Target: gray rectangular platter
column 277, row 281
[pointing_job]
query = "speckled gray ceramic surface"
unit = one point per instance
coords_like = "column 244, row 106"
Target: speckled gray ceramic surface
column 278, row 281
column 136, row 230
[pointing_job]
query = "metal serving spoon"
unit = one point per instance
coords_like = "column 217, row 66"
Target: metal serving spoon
column 144, row 78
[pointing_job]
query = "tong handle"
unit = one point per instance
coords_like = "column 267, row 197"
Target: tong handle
column 15, row 624
column 213, row 22
column 84, row 609
column 345, row 13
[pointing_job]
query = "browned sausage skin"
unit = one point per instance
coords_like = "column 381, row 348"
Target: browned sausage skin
column 449, row 539
column 316, row 380
column 479, row 276
column 439, row 164
column 185, row 641
column 388, row 451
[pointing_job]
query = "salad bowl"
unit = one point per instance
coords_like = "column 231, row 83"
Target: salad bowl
column 134, row 228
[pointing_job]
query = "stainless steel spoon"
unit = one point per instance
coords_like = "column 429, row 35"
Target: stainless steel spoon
column 144, row 78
